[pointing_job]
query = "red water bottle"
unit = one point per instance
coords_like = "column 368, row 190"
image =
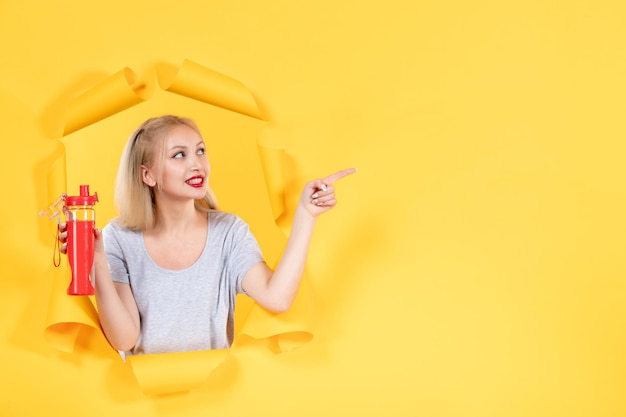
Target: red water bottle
column 80, row 219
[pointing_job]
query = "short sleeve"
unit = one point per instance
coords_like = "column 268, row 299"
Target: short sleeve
column 244, row 252
column 114, row 254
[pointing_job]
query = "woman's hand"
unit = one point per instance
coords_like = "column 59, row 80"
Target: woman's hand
column 62, row 238
column 98, row 247
column 319, row 195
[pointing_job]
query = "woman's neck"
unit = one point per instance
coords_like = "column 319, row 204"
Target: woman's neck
column 177, row 218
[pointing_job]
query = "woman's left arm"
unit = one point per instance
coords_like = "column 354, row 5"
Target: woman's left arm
column 276, row 290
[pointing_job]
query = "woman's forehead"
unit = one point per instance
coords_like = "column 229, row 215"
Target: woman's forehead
column 182, row 135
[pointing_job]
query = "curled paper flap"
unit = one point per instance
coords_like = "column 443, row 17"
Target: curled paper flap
column 164, row 373
column 272, row 162
column 200, row 83
column 113, row 95
column 66, row 315
column 167, row 373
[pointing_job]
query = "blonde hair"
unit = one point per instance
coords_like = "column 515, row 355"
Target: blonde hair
column 133, row 198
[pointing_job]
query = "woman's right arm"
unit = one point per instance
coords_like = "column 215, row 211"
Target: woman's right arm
column 117, row 309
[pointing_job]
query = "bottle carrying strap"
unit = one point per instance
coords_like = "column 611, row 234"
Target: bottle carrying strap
column 56, row 252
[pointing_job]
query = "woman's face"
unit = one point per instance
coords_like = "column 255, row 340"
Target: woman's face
column 183, row 172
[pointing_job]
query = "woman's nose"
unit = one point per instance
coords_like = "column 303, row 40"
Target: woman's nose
column 195, row 163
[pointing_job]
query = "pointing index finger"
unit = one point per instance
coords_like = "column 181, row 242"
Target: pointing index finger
column 338, row 175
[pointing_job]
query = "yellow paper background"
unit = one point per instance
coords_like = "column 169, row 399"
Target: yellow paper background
column 474, row 264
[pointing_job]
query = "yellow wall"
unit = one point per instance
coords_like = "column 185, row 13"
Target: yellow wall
column 474, row 265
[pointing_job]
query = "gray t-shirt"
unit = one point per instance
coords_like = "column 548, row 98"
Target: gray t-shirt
column 189, row 309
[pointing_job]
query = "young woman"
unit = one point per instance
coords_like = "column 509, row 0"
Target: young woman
column 169, row 267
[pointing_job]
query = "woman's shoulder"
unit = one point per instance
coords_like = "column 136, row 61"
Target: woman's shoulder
column 227, row 223
column 114, row 229
column 223, row 218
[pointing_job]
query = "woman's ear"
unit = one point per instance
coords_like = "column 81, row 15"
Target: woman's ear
column 147, row 176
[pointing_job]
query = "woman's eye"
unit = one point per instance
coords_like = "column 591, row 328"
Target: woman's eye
column 178, row 155
column 201, row 151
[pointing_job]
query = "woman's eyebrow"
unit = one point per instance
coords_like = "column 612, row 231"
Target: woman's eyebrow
column 185, row 147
